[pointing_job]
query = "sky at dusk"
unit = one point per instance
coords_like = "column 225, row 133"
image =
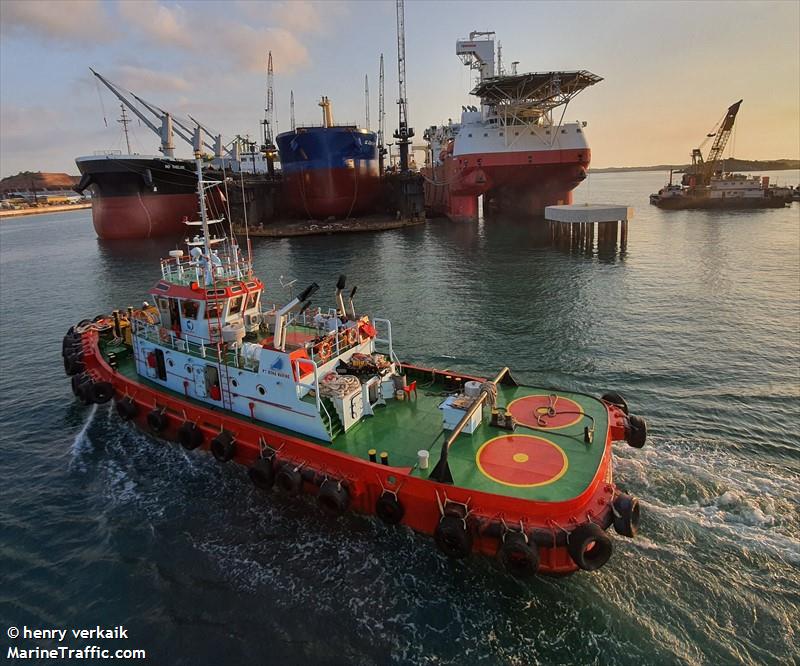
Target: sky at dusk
column 670, row 69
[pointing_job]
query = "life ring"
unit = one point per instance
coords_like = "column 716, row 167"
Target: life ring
column 190, row 436
column 453, row 538
column 157, row 420
column 636, row 432
column 102, row 392
column 333, row 497
column 626, row 515
column 323, row 350
column 163, row 334
column 289, row 479
column 262, row 473
column 589, row 546
column 519, row 555
column 223, row 446
column 127, row 409
column 389, row 509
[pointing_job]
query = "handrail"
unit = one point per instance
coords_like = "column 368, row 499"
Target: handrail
column 442, row 472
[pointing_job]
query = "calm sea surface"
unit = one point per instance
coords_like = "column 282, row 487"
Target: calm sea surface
column 697, row 324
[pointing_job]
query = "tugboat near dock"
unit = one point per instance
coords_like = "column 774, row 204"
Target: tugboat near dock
column 317, row 401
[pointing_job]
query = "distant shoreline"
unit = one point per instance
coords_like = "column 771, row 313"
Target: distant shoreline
column 41, row 210
column 730, row 165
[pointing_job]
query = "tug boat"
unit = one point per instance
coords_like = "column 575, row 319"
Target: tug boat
column 318, row 402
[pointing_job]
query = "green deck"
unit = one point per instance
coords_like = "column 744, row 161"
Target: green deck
column 403, row 427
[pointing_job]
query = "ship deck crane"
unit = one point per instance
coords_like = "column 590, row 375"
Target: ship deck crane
column 268, row 148
column 381, row 120
column 404, row 133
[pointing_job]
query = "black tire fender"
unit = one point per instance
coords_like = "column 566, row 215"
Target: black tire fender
column 453, row 537
column 223, row 446
column 85, row 392
column 333, row 497
column 289, row 479
column 520, row 556
column 157, row 420
column 127, row 409
column 73, row 365
column 636, row 432
column 615, row 398
column 77, row 380
column 262, row 473
column 626, row 515
column 589, row 546
column 389, row 508
column 190, row 435
column 102, row 392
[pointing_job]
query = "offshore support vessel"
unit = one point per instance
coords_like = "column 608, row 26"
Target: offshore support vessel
column 329, row 171
column 706, row 186
column 318, row 402
column 510, row 150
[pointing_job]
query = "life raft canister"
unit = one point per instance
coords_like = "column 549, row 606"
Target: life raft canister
column 589, row 546
column 223, row 446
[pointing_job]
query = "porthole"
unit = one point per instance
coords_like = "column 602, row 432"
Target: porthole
column 170, row 363
column 261, row 390
column 485, row 134
column 234, row 383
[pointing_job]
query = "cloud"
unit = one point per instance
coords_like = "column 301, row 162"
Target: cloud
column 67, row 21
column 169, row 26
column 248, row 48
column 298, row 15
column 141, row 80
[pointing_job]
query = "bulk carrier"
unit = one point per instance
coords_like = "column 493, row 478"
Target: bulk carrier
column 510, row 149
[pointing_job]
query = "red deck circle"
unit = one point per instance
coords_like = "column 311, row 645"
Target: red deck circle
column 523, row 461
column 533, row 411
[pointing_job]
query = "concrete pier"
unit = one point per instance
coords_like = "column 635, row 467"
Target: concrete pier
column 574, row 226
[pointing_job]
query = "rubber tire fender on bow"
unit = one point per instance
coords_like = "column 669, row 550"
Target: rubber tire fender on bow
column 589, row 546
column 157, row 420
column 453, row 537
column 262, row 473
column 626, row 515
column 102, row 392
column 190, row 435
column 519, row 557
column 127, row 409
column 289, row 479
column 223, row 446
column 389, row 509
column 636, row 432
column 333, row 497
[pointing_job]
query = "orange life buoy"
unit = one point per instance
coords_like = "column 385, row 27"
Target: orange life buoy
column 323, row 350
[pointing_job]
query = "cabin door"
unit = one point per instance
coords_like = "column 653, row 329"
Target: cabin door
column 212, row 382
column 199, row 376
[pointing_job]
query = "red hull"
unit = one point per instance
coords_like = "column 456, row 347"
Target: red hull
column 142, row 216
column 365, row 481
column 519, row 182
column 323, row 193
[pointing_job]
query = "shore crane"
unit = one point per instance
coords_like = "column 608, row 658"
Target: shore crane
column 404, row 133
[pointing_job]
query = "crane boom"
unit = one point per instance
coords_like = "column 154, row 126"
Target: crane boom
column 720, row 141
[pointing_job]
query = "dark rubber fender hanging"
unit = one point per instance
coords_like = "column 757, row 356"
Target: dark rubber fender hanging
column 127, row 409
column 289, row 479
column 589, row 546
column 262, row 474
column 615, row 399
column 520, row 556
column 453, row 538
column 333, row 497
column 157, row 420
column 223, row 446
column 626, row 515
column 636, row 432
column 389, row 508
column 102, row 392
column 190, row 436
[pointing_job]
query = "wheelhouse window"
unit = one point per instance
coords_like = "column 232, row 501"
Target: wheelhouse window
column 214, row 309
column 189, row 309
column 252, row 300
column 236, row 305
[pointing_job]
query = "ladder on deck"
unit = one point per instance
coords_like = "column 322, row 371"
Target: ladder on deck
column 330, row 418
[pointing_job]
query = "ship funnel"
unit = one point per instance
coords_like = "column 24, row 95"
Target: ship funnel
column 327, row 112
column 308, row 291
column 167, row 143
column 353, row 307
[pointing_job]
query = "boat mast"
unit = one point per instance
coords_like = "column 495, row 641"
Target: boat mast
column 198, row 143
column 124, row 120
column 404, row 133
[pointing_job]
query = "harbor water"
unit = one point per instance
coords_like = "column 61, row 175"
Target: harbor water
column 697, row 323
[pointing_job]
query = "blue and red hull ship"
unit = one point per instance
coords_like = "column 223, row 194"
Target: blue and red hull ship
column 329, row 171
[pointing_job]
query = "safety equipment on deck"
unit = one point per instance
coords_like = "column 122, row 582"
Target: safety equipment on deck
column 223, row 446
column 190, row 435
column 589, row 546
column 453, row 537
column 333, row 497
column 626, row 515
